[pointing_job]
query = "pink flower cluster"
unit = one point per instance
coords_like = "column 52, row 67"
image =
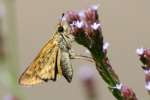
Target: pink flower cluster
column 83, row 22
column 145, row 59
column 126, row 92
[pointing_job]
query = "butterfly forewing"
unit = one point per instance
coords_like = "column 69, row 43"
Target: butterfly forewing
column 45, row 66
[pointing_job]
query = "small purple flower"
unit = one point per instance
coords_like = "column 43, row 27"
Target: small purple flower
column 128, row 93
column 147, row 86
column 147, row 76
column 105, row 46
column 71, row 16
column 145, row 59
column 146, row 70
column 81, row 14
column 78, row 24
column 144, row 56
column 140, row 51
column 95, row 25
column 91, row 16
column 95, row 7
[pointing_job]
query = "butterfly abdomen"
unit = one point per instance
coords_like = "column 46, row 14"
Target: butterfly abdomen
column 66, row 66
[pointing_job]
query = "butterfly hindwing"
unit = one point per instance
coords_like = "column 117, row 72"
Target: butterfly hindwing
column 59, row 69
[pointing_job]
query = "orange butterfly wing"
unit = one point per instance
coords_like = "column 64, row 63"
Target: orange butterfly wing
column 46, row 66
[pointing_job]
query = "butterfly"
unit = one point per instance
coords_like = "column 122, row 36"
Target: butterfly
column 53, row 61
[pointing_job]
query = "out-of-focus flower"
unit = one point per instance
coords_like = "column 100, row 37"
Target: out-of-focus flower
column 147, row 78
column 87, row 78
column 144, row 55
column 86, row 73
column 2, row 10
column 10, row 97
column 2, row 13
column 1, row 47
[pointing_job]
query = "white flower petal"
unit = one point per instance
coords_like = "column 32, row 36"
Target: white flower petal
column 118, row 86
column 147, row 86
column 79, row 24
column 2, row 10
column 105, row 46
column 95, row 26
column 146, row 71
column 81, row 14
column 95, row 7
column 140, row 51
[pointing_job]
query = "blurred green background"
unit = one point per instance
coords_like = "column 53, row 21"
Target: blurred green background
column 26, row 25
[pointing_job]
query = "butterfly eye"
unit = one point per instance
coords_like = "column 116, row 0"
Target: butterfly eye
column 60, row 29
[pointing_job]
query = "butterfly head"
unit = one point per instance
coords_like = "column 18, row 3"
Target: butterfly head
column 62, row 25
column 60, row 29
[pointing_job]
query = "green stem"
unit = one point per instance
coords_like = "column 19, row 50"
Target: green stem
column 99, row 56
